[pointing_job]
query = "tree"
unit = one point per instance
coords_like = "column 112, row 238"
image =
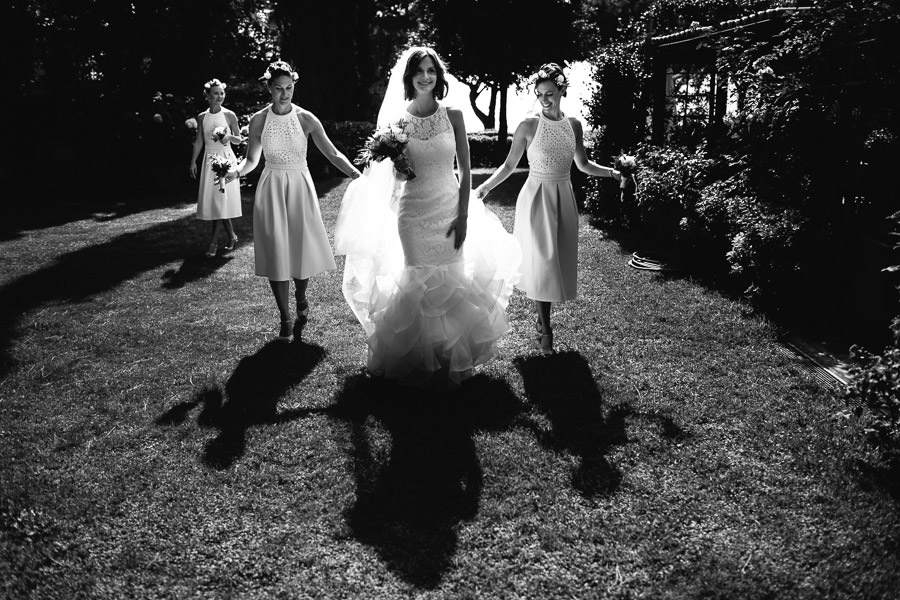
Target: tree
column 125, row 72
column 492, row 45
column 343, row 51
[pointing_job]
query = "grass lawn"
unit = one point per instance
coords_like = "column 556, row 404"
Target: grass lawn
column 155, row 442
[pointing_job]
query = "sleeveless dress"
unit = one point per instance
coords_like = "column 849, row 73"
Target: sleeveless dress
column 289, row 237
column 211, row 203
column 431, row 312
column 546, row 224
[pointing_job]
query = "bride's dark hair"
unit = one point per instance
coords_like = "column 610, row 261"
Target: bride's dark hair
column 416, row 56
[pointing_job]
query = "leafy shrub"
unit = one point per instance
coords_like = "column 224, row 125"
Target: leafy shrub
column 347, row 136
column 670, row 179
column 765, row 252
column 875, row 384
column 619, row 103
column 484, row 150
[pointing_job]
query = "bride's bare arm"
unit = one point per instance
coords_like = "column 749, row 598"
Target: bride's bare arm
column 465, row 175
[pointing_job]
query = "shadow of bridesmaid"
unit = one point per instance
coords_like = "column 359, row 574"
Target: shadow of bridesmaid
column 562, row 386
column 250, row 397
column 416, row 469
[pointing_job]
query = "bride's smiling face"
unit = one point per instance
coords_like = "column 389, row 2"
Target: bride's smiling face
column 425, row 76
column 548, row 95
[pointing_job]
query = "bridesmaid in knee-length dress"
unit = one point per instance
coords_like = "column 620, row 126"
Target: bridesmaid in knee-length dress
column 212, row 203
column 546, row 223
column 289, row 237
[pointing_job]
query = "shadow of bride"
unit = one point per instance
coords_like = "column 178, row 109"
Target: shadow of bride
column 416, row 469
column 562, row 386
column 250, row 397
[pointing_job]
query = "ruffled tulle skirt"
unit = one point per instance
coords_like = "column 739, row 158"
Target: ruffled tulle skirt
column 427, row 325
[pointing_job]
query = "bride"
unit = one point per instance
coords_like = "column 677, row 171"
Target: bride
column 428, row 271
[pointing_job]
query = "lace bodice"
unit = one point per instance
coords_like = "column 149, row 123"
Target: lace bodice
column 283, row 139
column 430, row 202
column 553, row 148
column 424, row 128
column 432, row 146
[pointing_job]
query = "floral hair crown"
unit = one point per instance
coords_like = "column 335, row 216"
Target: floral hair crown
column 213, row 83
column 279, row 65
column 551, row 72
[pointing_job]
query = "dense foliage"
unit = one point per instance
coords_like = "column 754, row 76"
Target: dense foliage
column 801, row 163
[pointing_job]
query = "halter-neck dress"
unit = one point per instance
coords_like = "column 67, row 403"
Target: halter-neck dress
column 289, row 237
column 211, row 203
column 546, row 223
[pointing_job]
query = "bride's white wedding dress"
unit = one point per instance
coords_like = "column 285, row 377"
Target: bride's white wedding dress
column 431, row 312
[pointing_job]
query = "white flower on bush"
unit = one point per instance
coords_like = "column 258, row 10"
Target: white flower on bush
column 765, row 71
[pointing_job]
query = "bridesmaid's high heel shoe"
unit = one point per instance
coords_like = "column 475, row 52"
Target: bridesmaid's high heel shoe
column 303, row 310
column 286, row 333
column 547, row 344
column 231, row 243
column 212, row 250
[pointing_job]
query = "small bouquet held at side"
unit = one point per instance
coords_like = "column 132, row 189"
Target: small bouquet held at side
column 388, row 142
column 220, row 166
column 627, row 166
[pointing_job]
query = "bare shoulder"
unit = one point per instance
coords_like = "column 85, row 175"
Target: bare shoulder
column 258, row 118
column 455, row 115
column 529, row 124
column 576, row 124
column 307, row 119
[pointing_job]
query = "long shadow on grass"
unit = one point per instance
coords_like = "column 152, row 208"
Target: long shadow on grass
column 250, row 397
column 79, row 275
column 409, row 504
column 562, row 386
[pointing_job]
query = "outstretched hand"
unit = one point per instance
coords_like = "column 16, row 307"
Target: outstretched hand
column 458, row 226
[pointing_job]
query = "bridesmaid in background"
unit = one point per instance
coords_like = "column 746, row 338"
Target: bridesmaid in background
column 212, row 204
column 546, row 223
column 289, row 237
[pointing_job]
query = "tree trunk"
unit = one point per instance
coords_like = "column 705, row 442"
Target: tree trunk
column 502, row 130
column 487, row 120
column 492, row 109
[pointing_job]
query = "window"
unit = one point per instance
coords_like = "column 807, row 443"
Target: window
column 689, row 100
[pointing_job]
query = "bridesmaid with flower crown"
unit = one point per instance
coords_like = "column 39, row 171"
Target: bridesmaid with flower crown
column 289, row 237
column 546, row 222
column 217, row 127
